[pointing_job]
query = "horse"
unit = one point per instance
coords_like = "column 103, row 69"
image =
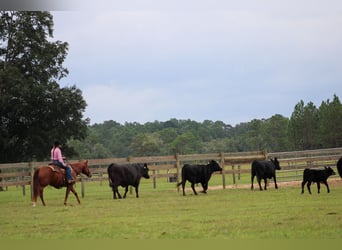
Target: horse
column 48, row 175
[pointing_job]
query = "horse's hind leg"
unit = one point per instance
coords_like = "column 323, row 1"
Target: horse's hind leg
column 41, row 196
column 34, row 200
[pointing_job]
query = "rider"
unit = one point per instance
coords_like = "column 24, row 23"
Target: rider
column 57, row 159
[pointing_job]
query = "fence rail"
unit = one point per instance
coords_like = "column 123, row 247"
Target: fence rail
column 169, row 167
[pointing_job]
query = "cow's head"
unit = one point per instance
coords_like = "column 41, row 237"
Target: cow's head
column 276, row 163
column 215, row 166
column 329, row 171
column 145, row 171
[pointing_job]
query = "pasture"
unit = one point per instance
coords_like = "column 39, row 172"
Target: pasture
column 163, row 213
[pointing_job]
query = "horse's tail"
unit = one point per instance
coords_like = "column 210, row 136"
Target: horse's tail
column 35, row 184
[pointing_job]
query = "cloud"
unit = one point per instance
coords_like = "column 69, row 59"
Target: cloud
column 220, row 60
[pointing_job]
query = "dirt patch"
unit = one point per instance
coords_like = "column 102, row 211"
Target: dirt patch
column 332, row 182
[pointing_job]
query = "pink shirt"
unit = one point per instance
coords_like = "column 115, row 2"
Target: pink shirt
column 56, row 154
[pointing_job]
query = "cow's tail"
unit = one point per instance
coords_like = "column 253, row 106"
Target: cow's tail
column 253, row 173
column 110, row 182
column 109, row 179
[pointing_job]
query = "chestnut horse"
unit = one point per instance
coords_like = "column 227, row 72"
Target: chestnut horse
column 47, row 175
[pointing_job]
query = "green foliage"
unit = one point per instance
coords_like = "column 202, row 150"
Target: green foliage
column 312, row 128
column 329, row 123
column 308, row 128
column 183, row 137
column 34, row 109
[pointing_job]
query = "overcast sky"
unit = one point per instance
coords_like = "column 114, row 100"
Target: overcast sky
column 233, row 61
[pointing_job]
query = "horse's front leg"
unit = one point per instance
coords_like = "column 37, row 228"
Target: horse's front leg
column 71, row 188
column 75, row 193
column 67, row 194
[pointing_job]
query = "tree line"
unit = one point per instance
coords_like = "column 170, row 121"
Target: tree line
column 308, row 127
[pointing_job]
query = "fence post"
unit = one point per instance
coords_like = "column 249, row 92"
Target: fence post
column 154, row 179
column 23, row 186
column 233, row 168
column 82, row 187
column 222, row 173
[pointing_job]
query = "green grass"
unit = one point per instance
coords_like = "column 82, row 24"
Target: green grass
column 163, row 213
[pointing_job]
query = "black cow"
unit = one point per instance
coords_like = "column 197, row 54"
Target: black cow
column 198, row 174
column 263, row 170
column 318, row 176
column 339, row 167
column 125, row 175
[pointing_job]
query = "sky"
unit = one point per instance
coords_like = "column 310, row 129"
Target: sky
column 232, row 61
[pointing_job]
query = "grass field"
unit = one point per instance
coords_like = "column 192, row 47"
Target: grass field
column 163, row 213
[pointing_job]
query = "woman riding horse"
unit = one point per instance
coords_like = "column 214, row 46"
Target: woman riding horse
column 57, row 159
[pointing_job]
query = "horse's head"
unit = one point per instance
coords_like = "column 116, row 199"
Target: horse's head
column 85, row 168
column 81, row 167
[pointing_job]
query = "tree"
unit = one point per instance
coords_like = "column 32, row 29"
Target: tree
column 275, row 133
column 34, row 109
column 303, row 126
column 296, row 126
column 330, row 120
column 146, row 144
column 186, row 143
column 310, row 125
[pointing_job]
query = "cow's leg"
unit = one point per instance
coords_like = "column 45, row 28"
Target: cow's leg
column 326, row 184
column 252, row 179
column 259, row 182
column 303, row 185
column 193, row 188
column 116, row 191
column 205, row 187
column 126, row 190
column 183, row 187
column 136, row 192
column 308, row 185
column 318, row 187
column 275, row 182
column 265, row 181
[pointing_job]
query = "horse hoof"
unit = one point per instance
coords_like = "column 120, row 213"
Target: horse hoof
column 34, row 204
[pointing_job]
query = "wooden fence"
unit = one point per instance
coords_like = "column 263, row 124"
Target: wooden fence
column 169, row 167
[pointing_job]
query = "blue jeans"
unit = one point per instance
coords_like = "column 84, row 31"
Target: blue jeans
column 67, row 168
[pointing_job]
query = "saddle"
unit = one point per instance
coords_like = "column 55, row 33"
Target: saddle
column 58, row 169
